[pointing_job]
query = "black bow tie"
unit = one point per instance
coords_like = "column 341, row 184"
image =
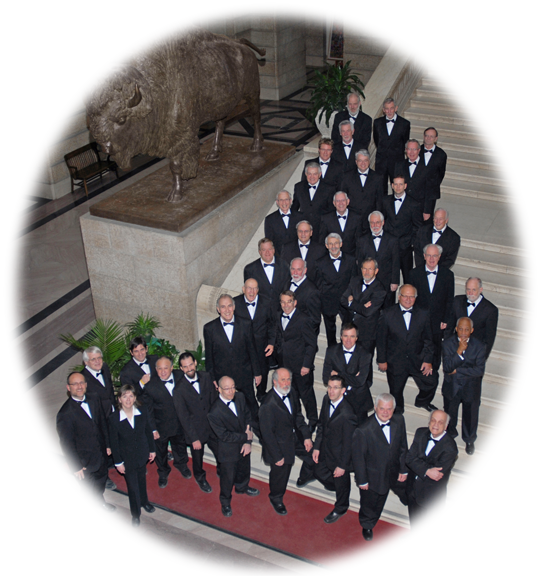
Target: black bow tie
column 385, row 424
column 342, row 217
column 347, row 145
column 428, row 151
column 250, row 303
column 314, row 186
column 196, row 381
column 143, row 363
column 283, row 397
column 471, row 304
column 407, row 311
column 170, row 381
column 334, row 259
column 285, row 316
column 303, row 245
column 293, row 282
column 439, row 232
column 230, row 402
column 388, row 121
column 433, row 439
column 324, row 163
column 228, row 323
column 378, row 236
column 434, row 272
column 411, row 163
column 348, row 351
column 265, row 265
column 285, row 215
column 99, row 373
column 398, row 199
column 79, row 401
column 362, row 174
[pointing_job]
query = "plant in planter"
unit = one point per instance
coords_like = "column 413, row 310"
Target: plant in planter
column 330, row 90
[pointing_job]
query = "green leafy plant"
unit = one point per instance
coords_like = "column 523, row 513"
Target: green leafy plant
column 199, row 355
column 330, row 90
column 144, row 326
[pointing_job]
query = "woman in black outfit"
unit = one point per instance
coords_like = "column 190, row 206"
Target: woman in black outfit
column 132, row 447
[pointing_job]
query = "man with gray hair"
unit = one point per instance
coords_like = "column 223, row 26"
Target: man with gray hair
column 280, row 226
column 379, row 450
column 344, row 222
column 331, row 170
column 344, row 150
column 98, row 378
column 437, row 231
column 362, row 123
column 414, row 171
column 304, row 247
column 363, row 186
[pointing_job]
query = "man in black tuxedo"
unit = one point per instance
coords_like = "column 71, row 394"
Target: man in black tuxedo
column 260, row 311
column 344, row 151
column 230, row 420
column 390, row 133
column 97, row 376
column 166, row 427
column 438, row 232
column 280, row 226
column 270, row 272
column 313, row 197
column 350, row 361
column 344, row 222
column 405, row 348
column 414, row 171
column 402, row 219
column 435, row 286
column 305, row 292
column 193, row 397
column 483, row 313
column 362, row 123
column 138, row 370
column 296, row 345
column 334, row 271
column 83, row 434
column 464, row 363
column 363, row 186
column 332, row 446
column 285, row 435
column 430, row 460
column 382, row 247
column 304, row 248
column 230, row 350
column 379, row 451
column 331, row 170
column 435, row 160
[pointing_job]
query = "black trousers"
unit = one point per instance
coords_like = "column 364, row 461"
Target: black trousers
column 180, row 454
column 197, row 458
column 426, row 384
column 233, row 474
column 305, row 392
column 136, row 490
column 250, row 397
column 372, row 504
column 470, row 413
column 340, row 485
column 330, row 325
column 279, row 475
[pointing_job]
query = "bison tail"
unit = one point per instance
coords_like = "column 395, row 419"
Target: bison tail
column 248, row 43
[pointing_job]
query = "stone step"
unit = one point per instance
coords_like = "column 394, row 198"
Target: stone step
column 468, row 189
column 445, row 129
column 455, row 118
column 436, row 102
column 426, row 92
column 492, row 282
column 459, row 173
column 473, row 258
column 452, row 144
column 483, row 162
column 493, row 248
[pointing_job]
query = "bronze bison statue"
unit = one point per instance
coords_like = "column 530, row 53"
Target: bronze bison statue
column 156, row 103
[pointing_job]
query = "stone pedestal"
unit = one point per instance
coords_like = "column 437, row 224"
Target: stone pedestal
column 146, row 255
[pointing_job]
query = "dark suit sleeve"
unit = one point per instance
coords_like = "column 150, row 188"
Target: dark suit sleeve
column 348, row 428
column 208, row 344
column 358, row 452
column 491, row 329
column 113, row 420
column 67, row 437
column 472, row 366
column 222, row 432
column 416, row 459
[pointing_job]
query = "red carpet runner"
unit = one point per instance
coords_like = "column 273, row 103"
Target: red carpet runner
column 301, row 533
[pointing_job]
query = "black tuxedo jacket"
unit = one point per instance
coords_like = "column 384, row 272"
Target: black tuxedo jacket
column 387, row 256
column 315, row 251
column 485, row 320
column 104, row 393
column 366, row 318
column 439, row 302
column 406, row 223
column 277, row 232
column 131, row 446
column 363, row 199
column 281, row 430
column 238, row 358
column 312, row 210
column 390, row 149
column 84, row 440
column 339, row 154
column 335, row 434
column 308, row 300
column 449, row 241
column 331, row 283
column 161, row 407
column 354, row 373
column 281, row 273
column 352, row 231
column 443, row 455
column 362, row 127
column 376, row 461
column 436, row 168
column 131, row 373
column 333, row 175
column 469, row 371
column 192, row 408
column 229, row 428
column 297, row 344
column 402, row 348
column 416, row 184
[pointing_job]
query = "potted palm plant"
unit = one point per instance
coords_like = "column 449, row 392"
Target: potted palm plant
column 330, row 89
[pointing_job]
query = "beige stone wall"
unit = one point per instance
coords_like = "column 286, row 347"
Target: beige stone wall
column 365, row 52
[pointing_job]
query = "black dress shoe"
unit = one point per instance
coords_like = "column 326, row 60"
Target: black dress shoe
column 470, row 448
column 301, row 483
column 109, row 507
column 205, row 486
column 332, row 517
column 226, row 511
column 169, row 455
column 110, row 485
column 162, row 482
column 135, row 521
column 429, row 407
column 186, row 473
column 149, row 508
column 249, row 491
column 279, row 508
column 367, row 534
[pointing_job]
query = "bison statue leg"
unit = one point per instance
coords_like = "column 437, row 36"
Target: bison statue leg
column 254, row 104
column 184, row 166
column 216, row 149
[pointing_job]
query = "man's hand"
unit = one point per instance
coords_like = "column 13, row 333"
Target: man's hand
column 108, row 452
column 434, row 474
column 151, row 456
column 426, row 369
column 350, row 298
column 80, row 474
column 246, row 449
column 249, row 432
column 402, row 477
column 382, row 366
column 368, row 304
column 156, row 435
column 338, row 472
column 393, row 287
column 121, row 469
column 308, row 444
column 304, row 371
column 281, row 462
column 315, row 456
column 145, row 379
column 462, row 346
column 443, row 325
column 365, row 487
column 269, row 350
column 426, row 216
column 196, row 445
column 258, row 380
